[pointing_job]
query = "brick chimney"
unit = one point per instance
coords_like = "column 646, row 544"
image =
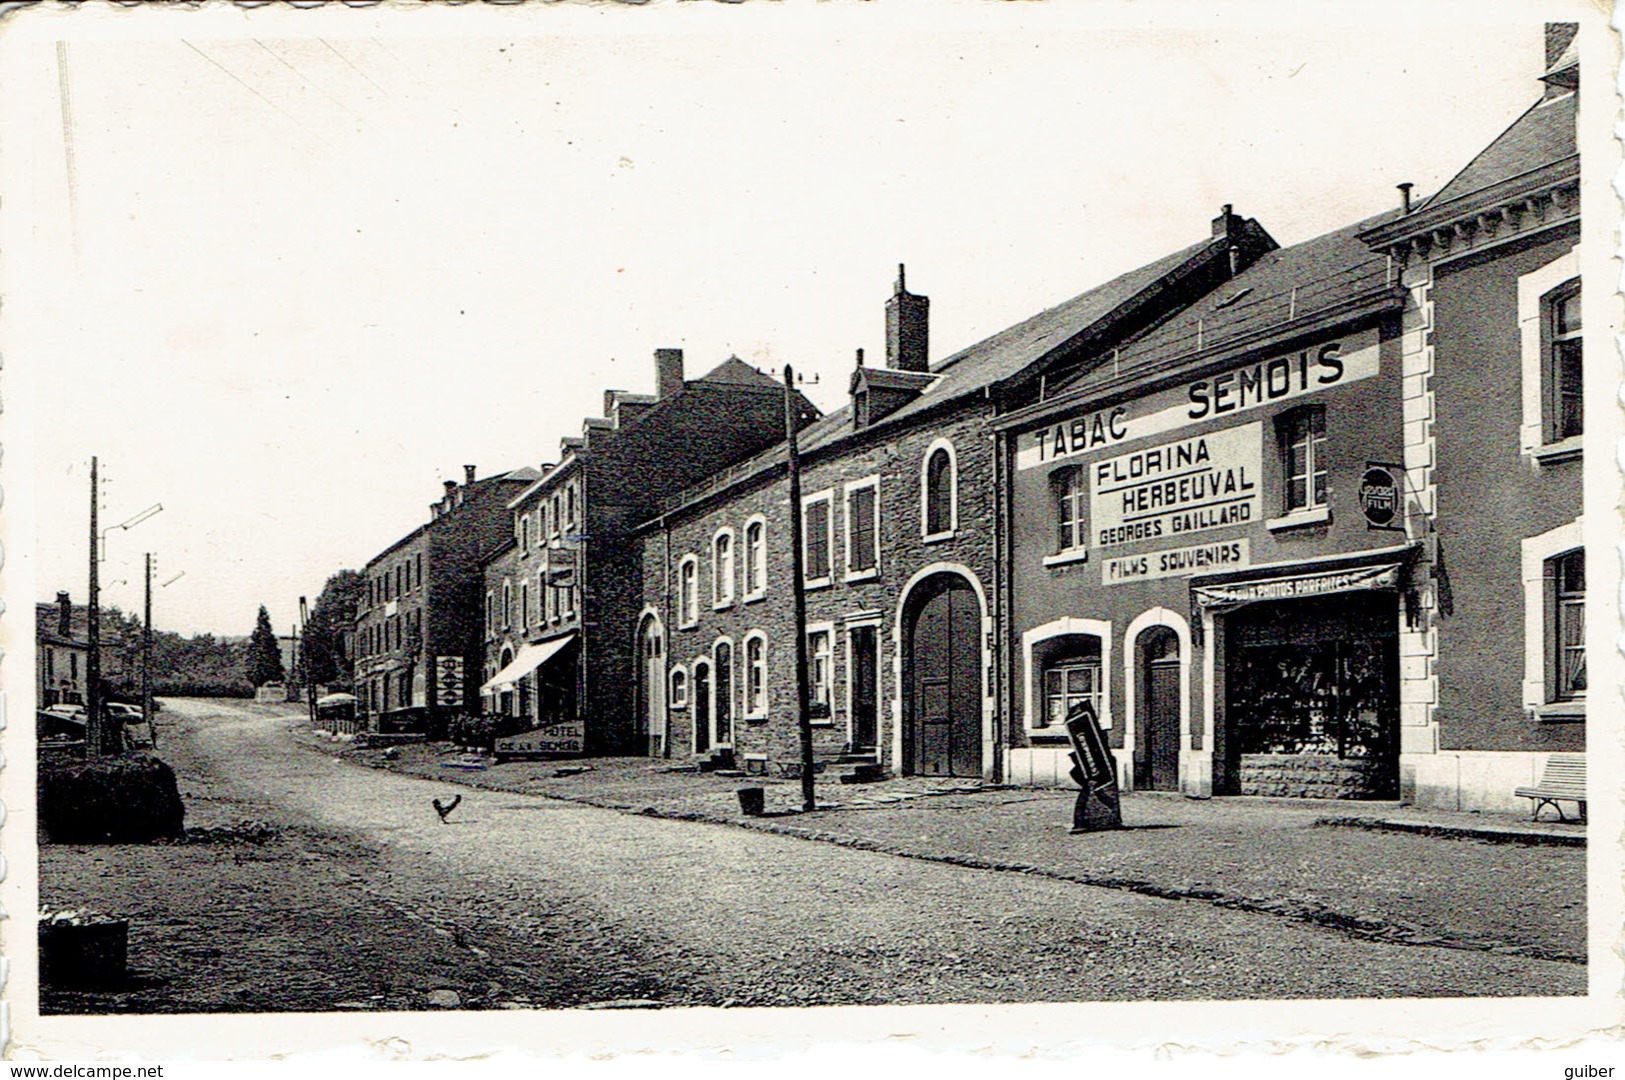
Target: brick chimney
column 468, row 476
column 64, row 615
column 668, row 373
column 908, row 325
column 1227, row 223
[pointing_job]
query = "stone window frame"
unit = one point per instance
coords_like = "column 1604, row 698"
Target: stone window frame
column 524, row 605
column 1033, row 697
column 507, row 603
column 755, row 700
column 849, row 489
column 677, row 684
column 927, row 535
column 755, row 562
column 688, row 591
column 522, row 534
column 1538, row 292
column 1069, row 484
column 1540, row 628
column 723, row 579
column 824, row 580
column 825, row 716
column 729, row 694
column 490, row 615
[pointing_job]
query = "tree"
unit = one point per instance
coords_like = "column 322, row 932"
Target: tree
column 331, row 622
column 264, row 662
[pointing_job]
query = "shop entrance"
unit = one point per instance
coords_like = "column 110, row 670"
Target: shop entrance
column 1312, row 698
column 944, row 679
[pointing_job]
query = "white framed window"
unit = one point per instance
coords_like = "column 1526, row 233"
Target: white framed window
column 556, row 504
column 507, row 604
column 863, row 528
column 821, row 672
column 939, row 491
column 524, row 533
column 818, row 537
column 722, row 568
column 1069, row 495
column 755, row 557
column 1065, row 661
column 490, row 613
column 570, row 506
column 524, row 605
column 1553, row 364
column 677, row 697
column 1303, row 457
column 569, row 600
column 755, row 675
column 688, row 591
column 724, row 675
column 1554, row 588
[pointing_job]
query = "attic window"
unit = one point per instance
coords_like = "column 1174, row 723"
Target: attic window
column 1227, row 301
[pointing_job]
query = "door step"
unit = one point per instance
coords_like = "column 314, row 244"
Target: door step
column 864, row 772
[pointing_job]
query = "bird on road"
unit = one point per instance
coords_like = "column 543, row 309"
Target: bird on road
column 446, row 808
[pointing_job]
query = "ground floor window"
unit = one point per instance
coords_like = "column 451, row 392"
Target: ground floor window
column 1067, row 685
column 1568, row 648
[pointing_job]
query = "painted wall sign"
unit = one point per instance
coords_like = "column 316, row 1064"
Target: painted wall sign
column 1379, row 497
column 565, row 738
column 1177, row 562
column 448, row 681
column 1238, row 390
column 1207, row 482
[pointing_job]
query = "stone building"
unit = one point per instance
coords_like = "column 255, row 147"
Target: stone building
column 900, row 548
column 417, row 642
column 1495, row 668
column 561, row 590
column 61, row 649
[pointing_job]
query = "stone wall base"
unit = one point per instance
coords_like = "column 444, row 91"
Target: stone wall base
column 1309, row 776
column 1470, row 779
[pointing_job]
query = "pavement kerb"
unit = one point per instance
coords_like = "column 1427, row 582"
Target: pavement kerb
column 1310, row 914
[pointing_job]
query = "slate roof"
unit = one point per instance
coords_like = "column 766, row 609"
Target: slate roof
column 1288, row 284
column 1542, row 135
column 735, row 372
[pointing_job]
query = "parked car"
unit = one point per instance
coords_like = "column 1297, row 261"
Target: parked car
column 66, row 709
column 53, row 726
column 130, row 714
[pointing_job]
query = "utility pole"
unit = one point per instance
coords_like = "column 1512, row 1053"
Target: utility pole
column 95, row 730
column 304, row 660
column 809, row 800
column 146, row 652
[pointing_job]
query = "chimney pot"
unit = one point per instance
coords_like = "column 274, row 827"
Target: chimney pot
column 1405, row 196
column 1226, row 222
column 468, row 475
column 64, row 615
column 668, row 373
column 860, row 358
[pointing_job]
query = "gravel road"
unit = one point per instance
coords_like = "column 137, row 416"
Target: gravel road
column 682, row 913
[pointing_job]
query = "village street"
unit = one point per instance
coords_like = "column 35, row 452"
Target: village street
column 358, row 897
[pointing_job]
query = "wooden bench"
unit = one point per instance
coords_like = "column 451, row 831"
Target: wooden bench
column 1564, row 779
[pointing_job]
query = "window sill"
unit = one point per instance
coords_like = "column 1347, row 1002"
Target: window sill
column 755, row 718
column 863, row 575
column 1062, row 558
column 1563, row 450
column 1046, row 736
column 1560, row 712
column 1297, row 519
column 688, row 625
column 937, row 538
column 679, row 708
column 721, row 605
column 752, row 598
column 816, row 583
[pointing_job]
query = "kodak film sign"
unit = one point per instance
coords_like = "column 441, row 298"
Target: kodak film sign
column 1237, row 390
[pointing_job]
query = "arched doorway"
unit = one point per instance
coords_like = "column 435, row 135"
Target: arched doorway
column 700, row 695
column 651, row 711
column 504, row 697
column 1157, row 672
column 725, row 693
column 942, row 678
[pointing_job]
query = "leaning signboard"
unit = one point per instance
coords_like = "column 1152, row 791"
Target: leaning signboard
column 564, row 738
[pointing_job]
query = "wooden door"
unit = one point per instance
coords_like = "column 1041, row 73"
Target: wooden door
column 725, row 695
column 1162, row 723
column 945, row 690
column 701, row 696
column 865, row 642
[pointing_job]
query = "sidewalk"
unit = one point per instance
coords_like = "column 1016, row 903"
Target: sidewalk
column 1400, row 874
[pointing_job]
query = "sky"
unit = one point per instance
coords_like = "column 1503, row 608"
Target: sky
column 283, row 273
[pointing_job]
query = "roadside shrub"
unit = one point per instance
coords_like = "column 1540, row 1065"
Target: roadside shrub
column 130, row 799
column 484, row 730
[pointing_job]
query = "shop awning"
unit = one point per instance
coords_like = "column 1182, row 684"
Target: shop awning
column 529, row 659
column 1233, row 594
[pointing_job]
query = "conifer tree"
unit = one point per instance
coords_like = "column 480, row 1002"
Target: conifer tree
column 264, row 661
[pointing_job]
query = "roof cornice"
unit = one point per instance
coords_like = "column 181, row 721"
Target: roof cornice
column 1534, row 200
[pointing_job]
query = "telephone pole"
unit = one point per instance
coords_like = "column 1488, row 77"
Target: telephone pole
column 146, row 652
column 96, row 736
column 304, row 661
column 809, row 800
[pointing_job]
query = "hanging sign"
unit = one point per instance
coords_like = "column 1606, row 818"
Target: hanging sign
column 1379, row 497
column 1206, row 482
column 448, row 681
